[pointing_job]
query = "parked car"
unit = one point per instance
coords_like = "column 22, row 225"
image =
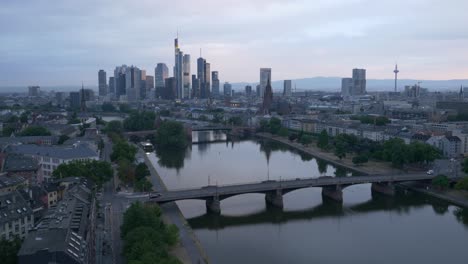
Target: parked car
column 430, row 172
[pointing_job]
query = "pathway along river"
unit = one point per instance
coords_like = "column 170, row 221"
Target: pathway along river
column 366, row 228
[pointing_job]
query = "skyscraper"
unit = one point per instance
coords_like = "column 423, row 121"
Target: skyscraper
column 248, row 90
column 195, row 87
column 359, row 81
column 186, row 77
column 267, row 98
column 207, row 84
column 287, row 87
column 214, row 83
column 111, row 85
column 34, row 90
column 203, row 74
column 170, row 89
column 75, row 100
column 102, row 83
column 149, row 87
column 346, row 86
column 161, row 73
column 265, row 75
column 227, row 89
column 143, row 84
column 119, row 80
column 178, row 69
column 132, row 83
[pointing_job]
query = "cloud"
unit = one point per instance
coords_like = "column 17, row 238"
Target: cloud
column 52, row 42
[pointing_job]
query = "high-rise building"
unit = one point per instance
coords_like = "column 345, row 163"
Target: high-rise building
column 143, row 84
column 119, row 80
column 111, row 85
column 257, row 90
column 248, row 90
column 287, row 88
column 195, row 87
column 346, row 86
column 214, row 83
column 161, row 73
column 186, row 77
column 75, row 100
column 265, row 75
column 170, row 89
column 359, row 82
column 227, row 89
column 102, row 83
column 267, row 98
column 34, row 90
column 149, row 83
column 207, row 84
column 133, row 83
column 203, row 74
column 178, row 69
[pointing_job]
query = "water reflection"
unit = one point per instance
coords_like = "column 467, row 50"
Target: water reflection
column 401, row 204
column 172, row 158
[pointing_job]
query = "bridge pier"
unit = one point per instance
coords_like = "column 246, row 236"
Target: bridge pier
column 333, row 192
column 275, row 198
column 213, row 205
column 386, row 188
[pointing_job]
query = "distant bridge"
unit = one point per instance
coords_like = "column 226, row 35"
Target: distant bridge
column 331, row 187
column 145, row 133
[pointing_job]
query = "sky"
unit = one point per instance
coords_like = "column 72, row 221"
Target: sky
column 59, row 42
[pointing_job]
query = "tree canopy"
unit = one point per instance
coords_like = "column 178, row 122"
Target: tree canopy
column 323, row 140
column 138, row 121
column 35, row 131
column 9, row 249
column 171, row 134
column 97, row 171
column 108, row 107
column 123, row 150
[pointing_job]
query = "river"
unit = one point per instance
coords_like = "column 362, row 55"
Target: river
column 366, row 228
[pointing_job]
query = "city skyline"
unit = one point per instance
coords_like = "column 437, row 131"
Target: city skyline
column 360, row 34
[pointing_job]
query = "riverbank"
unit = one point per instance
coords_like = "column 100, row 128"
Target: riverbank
column 190, row 250
column 369, row 168
column 456, row 197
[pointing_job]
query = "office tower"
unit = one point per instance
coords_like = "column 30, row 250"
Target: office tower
column 287, row 88
column 102, row 85
column 214, row 83
column 149, row 83
column 132, row 83
column 170, row 89
column 227, row 89
column 88, row 95
column 248, row 90
column 34, row 90
column 111, row 85
column 267, row 98
column 359, row 82
column 186, row 77
column 161, row 73
column 207, row 85
column 143, row 84
column 265, row 75
column 178, row 69
column 59, row 98
column 396, row 71
column 195, row 87
column 119, row 80
column 75, row 100
column 257, row 90
column 346, row 86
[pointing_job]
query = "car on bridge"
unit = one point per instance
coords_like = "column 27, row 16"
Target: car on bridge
column 154, row 195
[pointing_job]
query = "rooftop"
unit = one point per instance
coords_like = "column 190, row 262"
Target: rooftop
column 18, row 162
column 62, row 152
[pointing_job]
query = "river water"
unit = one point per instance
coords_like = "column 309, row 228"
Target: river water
column 366, row 228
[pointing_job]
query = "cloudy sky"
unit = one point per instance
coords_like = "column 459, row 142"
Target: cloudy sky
column 50, row 42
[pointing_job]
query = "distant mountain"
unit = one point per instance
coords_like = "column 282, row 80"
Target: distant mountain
column 334, row 84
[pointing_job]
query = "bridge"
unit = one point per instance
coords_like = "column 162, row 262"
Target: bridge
column 332, row 187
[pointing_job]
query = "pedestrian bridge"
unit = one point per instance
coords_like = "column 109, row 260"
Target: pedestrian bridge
column 331, row 187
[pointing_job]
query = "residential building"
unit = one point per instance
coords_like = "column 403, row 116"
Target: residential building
column 10, row 184
column 16, row 216
column 161, row 73
column 265, row 77
column 451, row 146
column 66, row 234
column 359, row 82
column 18, row 165
column 102, row 83
column 50, row 157
column 346, row 86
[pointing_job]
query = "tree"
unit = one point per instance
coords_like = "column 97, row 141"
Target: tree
column 141, row 171
column 305, row 139
column 9, row 250
column 97, row 171
column 283, row 132
column 143, row 185
column 465, row 165
column 462, row 184
column 138, row 121
column 126, row 171
column 360, row 159
column 62, row 139
column 235, row 120
column 275, row 125
column 171, row 134
column 123, row 150
column 441, row 181
column 114, row 126
column 323, row 140
column 24, row 117
column 108, row 107
column 35, row 131
column 125, row 108
column 340, row 149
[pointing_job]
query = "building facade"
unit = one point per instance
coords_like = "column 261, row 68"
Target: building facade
column 102, row 83
column 265, row 75
column 287, row 88
column 161, row 73
column 215, row 83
